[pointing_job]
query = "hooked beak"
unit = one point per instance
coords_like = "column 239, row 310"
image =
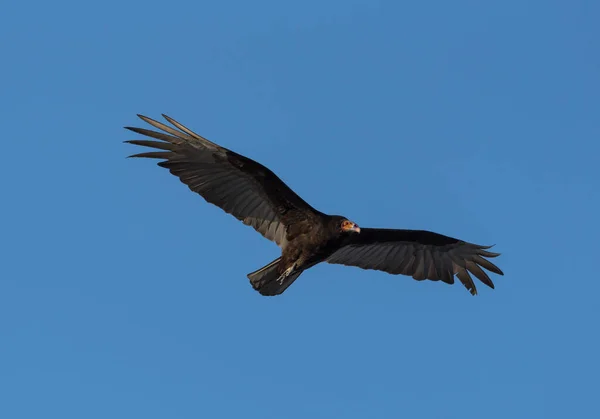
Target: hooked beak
column 355, row 228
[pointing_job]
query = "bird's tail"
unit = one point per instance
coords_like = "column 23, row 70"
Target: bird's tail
column 267, row 279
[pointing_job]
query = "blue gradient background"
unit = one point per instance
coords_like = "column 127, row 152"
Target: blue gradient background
column 124, row 295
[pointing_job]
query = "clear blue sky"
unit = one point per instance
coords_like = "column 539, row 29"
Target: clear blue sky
column 124, row 295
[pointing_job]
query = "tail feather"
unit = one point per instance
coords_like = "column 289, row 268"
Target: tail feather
column 267, row 281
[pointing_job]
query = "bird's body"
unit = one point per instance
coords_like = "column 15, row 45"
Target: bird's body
column 257, row 197
column 306, row 244
column 310, row 243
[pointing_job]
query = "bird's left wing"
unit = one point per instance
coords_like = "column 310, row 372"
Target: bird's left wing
column 420, row 254
column 240, row 186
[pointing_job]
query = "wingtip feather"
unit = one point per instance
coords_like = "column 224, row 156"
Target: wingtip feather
column 154, row 155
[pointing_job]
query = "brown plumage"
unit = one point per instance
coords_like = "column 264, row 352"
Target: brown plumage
column 257, row 197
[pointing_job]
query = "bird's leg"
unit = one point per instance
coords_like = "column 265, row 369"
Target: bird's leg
column 287, row 273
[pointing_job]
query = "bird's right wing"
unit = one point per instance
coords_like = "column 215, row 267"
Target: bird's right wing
column 238, row 185
column 420, row 254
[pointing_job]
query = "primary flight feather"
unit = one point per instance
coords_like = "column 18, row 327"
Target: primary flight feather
column 256, row 196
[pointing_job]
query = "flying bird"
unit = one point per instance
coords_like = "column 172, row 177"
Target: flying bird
column 256, row 196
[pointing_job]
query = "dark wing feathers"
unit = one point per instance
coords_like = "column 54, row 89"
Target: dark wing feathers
column 240, row 186
column 420, row 254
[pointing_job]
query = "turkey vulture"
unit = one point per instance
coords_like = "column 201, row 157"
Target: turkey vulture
column 257, row 197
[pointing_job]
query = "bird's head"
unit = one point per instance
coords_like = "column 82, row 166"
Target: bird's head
column 347, row 226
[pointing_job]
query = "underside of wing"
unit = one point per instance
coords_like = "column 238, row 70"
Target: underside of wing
column 240, row 186
column 419, row 254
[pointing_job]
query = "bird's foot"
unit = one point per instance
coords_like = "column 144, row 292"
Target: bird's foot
column 287, row 273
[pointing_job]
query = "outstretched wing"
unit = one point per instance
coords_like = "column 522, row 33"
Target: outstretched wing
column 240, row 186
column 420, row 254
